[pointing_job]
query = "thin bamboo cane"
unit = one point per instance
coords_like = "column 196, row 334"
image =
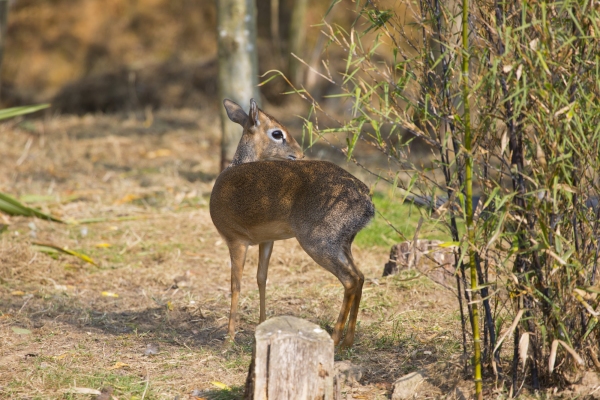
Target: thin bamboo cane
column 469, row 201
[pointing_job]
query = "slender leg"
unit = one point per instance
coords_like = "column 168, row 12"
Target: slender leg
column 349, row 339
column 264, row 252
column 345, row 310
column 237, row 251
column 340, row 264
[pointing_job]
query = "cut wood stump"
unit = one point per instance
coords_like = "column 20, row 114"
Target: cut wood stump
column 418, row 255
column 293, row 359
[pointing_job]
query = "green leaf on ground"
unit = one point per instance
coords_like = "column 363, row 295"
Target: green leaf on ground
column 20, row 331
column 12, row 206
column 52, row 248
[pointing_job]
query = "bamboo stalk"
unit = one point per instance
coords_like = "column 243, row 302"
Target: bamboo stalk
column 469, row 200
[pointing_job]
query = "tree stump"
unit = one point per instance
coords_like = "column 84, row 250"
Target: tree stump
column 408, row 255
column 293, row 359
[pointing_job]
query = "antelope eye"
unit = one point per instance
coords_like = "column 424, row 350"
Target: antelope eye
column 277, row 135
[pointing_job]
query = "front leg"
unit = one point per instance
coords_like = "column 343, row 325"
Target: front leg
column 237, row 252
column 264, row 253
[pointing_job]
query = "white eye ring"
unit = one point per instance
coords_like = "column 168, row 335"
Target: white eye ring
column 277, row 135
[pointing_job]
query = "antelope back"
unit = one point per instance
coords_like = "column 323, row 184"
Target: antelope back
column 263, row 138
column 273, row 200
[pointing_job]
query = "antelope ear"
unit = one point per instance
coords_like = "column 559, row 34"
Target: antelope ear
column 235, row 112
column 254, row 121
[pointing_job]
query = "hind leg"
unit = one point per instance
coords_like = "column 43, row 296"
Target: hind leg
column 338, row 260
column 349, row 339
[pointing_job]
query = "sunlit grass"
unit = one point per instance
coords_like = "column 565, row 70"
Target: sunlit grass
column 61, row 378
column 404, row 217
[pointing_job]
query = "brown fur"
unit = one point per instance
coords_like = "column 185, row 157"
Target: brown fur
column 317, row 202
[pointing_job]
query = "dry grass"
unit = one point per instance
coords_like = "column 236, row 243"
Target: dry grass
column 147, row 181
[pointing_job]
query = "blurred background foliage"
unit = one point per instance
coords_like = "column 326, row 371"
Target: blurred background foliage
column 115, row 55
column 389, row 98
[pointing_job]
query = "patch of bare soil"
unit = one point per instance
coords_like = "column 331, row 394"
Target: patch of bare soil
column 149, row 318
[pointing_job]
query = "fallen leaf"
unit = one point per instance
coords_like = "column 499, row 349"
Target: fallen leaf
column 158, row 153
column 220, row 385
column 552, row 356
column 533, row 45
column 119, row 365
column 573, row 353
column 52, row 248
column 170, row 306
column 103, row 245
column 61, row 356
column 17, row 293
column 519, row 71
column 523, row 348
column 109, row 294
column 79, row 390
column 20, row 331
column 127, row 199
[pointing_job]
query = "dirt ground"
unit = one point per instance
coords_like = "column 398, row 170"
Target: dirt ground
column 148, row 319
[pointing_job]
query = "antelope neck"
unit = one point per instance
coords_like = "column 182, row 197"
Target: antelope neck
column 243, row 154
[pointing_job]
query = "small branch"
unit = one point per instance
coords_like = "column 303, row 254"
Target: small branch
column 311, row 68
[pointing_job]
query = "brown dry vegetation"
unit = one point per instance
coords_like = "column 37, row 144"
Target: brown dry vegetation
column 148, row 182
column 115, row 55
column 135, row 187
column 50, row 44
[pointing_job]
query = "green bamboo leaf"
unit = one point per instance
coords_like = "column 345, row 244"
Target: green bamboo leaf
column 377, row 129
column 20, row 331
column 349, row 61
column 12, row 206
column 356, row 102
column 16, row 111
column 351, row 142
column 52, row 248
column 333, row 96
column 449, row 244
column 35, row 198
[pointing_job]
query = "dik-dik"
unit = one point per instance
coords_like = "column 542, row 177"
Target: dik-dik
column 269, row 193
